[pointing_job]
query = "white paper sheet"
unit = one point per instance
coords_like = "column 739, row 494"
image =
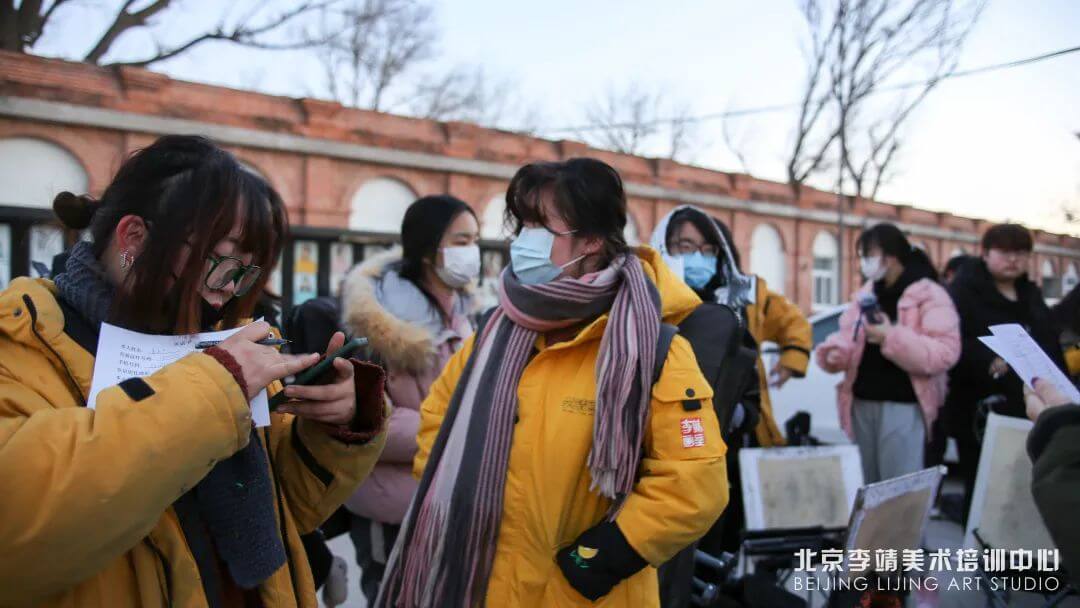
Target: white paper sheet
column 124, row 354
column 1013, row 344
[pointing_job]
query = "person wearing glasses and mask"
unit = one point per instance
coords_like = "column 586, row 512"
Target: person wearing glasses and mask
column 696, row 246
column 166, row 494
column 413, row 305
column 554, row 467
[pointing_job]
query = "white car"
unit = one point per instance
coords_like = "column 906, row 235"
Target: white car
column 816, row 392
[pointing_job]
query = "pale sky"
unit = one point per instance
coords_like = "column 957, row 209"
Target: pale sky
column 996, row 145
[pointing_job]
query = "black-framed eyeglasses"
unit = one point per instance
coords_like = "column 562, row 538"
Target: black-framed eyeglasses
column 226, row 269
column 688, row 247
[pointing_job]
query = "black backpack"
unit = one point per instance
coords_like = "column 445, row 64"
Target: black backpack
column 727, row 357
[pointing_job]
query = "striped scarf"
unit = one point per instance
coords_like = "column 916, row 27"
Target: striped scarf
column 446, row 547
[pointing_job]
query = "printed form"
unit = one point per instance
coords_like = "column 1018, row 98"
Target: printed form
column 124, row 354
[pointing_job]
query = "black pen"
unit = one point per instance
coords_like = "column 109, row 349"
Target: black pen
column 266, row 342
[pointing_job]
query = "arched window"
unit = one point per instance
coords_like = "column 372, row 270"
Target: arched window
column 492, row 226
column 1051, row 282
column 1069, row 279
column 33, row 171
column 379, row 206
column 825, row 271
column 767, row 258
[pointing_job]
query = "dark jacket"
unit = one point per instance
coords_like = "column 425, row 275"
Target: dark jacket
column 1066, row 313
column 981, row 305
column 1054, row 447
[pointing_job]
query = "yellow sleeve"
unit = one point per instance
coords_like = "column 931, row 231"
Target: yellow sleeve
column 786, row 325
column 1072, row 360
column 683, row 485
column 318, row 472
column 82, row 487
column 433, row 409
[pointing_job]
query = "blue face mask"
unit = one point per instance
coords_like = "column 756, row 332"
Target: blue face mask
column 698, row 269
column 530, row 256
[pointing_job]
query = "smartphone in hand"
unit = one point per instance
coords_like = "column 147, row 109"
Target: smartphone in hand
column 321, row 372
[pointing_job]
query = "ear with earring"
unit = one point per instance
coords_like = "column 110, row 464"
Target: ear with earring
column 125, row 260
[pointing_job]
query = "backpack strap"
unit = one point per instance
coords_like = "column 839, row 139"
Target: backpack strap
column 663, row 345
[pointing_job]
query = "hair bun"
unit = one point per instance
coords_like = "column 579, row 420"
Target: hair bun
column 75, row 210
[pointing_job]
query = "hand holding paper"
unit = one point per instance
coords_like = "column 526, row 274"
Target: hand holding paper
column 1015, row 346
column 124, row 354
column 1044, row 396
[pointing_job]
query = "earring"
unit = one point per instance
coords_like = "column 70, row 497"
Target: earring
column 125, row 260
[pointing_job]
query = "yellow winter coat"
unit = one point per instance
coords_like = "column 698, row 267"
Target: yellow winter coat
column 774, row 318
column 86, row 517
column 547, row 503
column 1072, row 360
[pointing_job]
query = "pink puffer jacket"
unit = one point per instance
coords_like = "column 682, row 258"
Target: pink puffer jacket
column 925, row 343
column 413, row 341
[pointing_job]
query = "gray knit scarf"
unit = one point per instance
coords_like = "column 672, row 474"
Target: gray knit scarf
column 446, row 548
column 235, row 501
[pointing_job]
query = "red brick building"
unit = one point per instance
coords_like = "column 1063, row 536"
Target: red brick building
column 347, row 176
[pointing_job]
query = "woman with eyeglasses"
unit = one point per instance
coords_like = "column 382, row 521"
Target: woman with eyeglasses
column 692, row 242
column 699, row 249
column 991, row 289
column 555, row 462
column 166, row 494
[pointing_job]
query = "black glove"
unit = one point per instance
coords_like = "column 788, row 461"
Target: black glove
column 598, row 560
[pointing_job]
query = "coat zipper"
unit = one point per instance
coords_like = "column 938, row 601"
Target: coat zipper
column 33, row 328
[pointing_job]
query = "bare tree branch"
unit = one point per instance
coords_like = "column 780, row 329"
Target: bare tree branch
column 368, row 48
column 738, row 148
column 857, row 47
column 123, row 22
column 681, row 132
column 629, row 121
column 242, row 33
column 1070, row 213
column 21, row 29
column 624, row 117
column 52, row 9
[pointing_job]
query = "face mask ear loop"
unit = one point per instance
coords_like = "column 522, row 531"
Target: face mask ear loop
column 573, row 261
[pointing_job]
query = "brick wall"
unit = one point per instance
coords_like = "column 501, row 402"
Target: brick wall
column 318, row 187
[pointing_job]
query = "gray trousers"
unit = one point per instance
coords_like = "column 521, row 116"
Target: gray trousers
column 891, row 437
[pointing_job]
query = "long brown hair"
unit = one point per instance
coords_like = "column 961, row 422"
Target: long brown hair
column 190, row 192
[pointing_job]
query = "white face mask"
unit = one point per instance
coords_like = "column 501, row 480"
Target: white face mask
column 872, row 268
column 461, row 265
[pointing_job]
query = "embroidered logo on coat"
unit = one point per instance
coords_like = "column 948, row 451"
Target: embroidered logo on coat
column 693, row 433
column 579, row 406
column 581, row 554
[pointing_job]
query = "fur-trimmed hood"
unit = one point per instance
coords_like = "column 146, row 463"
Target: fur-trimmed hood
column 407, row 338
